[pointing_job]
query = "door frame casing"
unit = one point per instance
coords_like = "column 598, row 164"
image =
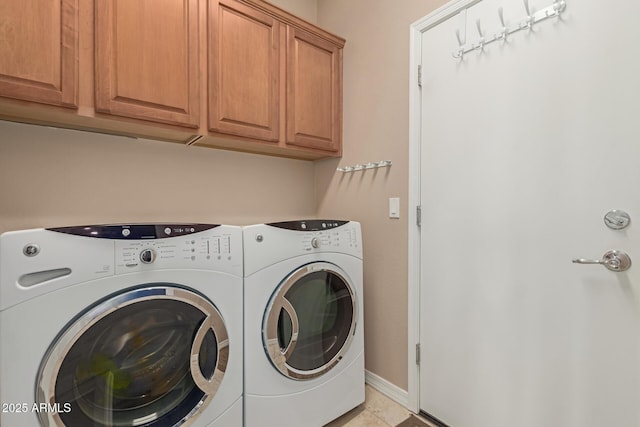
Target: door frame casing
column 417, row 30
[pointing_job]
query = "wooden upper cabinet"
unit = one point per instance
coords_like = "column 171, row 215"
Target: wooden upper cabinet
column 274, row 77
column 39, row 51
column 235, row 74
column 146, row 54
column 244, row 79
column 314, row 91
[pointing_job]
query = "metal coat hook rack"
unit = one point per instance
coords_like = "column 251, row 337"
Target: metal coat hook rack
column 370, row 165
column 532, row 18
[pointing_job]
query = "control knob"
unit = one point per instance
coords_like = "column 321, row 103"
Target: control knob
column 315, row 243
column 147, row 256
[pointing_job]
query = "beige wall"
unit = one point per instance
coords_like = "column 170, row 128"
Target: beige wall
column 305, row 9
column 376, row 127
column 57, row 177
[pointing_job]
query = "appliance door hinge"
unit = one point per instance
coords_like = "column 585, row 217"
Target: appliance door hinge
column 419, row 216
column 418, row 354
column 420, row 75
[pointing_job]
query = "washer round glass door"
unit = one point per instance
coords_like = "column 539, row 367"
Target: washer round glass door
column 151, row 356
column 310, row 321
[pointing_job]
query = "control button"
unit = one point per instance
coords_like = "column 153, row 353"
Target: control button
column 126, row 232
column 303, row 226
column 147, row 256
column 131, row 264
column 324, row 225
column 315, row 242
column 167, row 231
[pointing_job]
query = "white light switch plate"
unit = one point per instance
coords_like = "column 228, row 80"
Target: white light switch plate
column 394, row 207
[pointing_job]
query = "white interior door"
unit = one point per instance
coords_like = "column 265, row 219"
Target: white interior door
column 525, row 146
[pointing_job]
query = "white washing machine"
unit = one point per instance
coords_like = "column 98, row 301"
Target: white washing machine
column 121, row 325
column 304, row 342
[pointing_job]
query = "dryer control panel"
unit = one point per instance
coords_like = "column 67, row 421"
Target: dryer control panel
column 323, row 234
column 267, row 244
column 309, row 224
column 344, row 238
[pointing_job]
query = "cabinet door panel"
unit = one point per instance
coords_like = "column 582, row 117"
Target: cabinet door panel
column 147, row 60
column 243, row 71
column 39, row 51
column 314, row 91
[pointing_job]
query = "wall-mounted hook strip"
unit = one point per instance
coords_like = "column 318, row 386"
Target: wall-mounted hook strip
column 369, row 165
column 554, row 10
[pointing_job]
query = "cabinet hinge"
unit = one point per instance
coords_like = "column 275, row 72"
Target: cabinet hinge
column 419, row 216
column 420, row 75
column 418, row 354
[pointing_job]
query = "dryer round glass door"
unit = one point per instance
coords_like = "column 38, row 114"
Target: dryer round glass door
column 310, row 321
column 151, row 356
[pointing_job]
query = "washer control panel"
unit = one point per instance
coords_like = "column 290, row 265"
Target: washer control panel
column 210, row 249
column 135, row 231
column 147, row 256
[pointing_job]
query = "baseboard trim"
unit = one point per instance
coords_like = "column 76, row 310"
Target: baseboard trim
column 392, row 391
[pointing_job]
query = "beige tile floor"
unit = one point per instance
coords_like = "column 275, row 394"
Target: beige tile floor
column 376, row 411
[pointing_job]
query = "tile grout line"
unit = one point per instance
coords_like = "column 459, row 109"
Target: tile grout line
column 381, row 419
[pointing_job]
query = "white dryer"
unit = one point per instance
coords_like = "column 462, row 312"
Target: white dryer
column 121, row 325
column 304, row 345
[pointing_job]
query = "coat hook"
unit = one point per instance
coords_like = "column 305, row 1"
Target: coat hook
column 459, row 37
column 503, row 32
column 558, row 7
column 460, row 53
column 481, row 41
column 529, row 20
